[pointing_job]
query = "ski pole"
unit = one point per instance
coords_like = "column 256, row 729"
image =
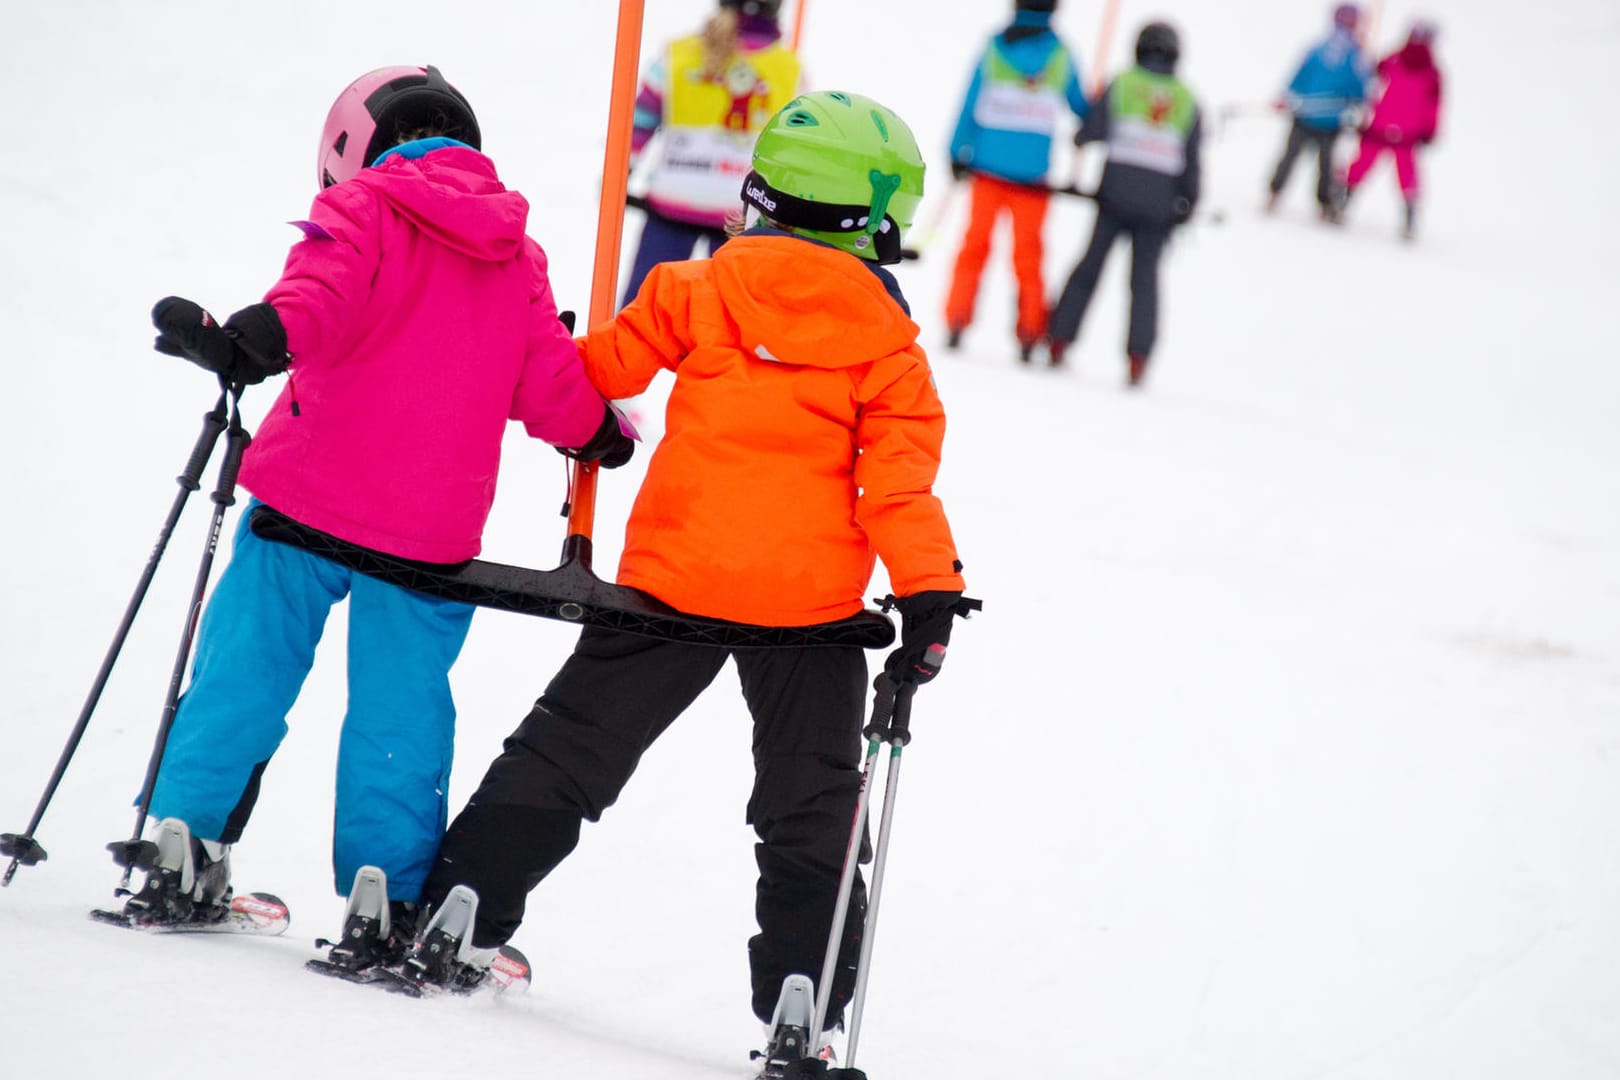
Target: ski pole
column 134, row 852
column 798, row 26
column 891, row 722
column 1105, row 37
column 899, row 735
column 22, row 847
column 927, row 232
column 609, row 231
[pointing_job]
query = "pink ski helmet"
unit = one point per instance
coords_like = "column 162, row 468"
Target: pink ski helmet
column 1346, row 16
column 379, row 107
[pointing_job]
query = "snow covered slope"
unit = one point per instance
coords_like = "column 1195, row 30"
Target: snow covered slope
column 1287, row 745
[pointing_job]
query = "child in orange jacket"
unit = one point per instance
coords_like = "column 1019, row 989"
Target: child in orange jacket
column 803, row 436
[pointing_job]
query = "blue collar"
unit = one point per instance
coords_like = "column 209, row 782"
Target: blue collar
column 417, row 148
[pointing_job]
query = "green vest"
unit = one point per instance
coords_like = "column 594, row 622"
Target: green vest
column 1009, row 100
column 1150, row 119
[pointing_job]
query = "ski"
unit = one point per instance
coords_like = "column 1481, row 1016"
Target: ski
column 257, row 913
column 508, row 972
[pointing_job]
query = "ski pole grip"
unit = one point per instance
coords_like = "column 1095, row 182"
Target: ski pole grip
column 883, row 704
column 213, row 424
column 900, row 726
column 236, row 443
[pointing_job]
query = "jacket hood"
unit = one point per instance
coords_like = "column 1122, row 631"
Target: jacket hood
column 800, row 302
column 453, row 196
column 1416, row 56
column 1027, row 24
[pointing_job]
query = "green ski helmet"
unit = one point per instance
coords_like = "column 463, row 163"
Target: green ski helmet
column 839, row 168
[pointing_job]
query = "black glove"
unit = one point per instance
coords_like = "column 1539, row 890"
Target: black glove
column 610, row 445
column 960, row 170
column 1181, row 211
column 925, row 621
column 249, row 348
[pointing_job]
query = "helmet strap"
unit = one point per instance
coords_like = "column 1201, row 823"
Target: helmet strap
column 797, row 213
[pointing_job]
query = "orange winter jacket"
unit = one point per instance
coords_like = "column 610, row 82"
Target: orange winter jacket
column 801, row 438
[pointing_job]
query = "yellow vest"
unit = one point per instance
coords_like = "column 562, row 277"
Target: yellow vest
column 710, row 125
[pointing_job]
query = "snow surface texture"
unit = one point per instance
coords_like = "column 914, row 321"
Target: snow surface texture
column 1288, row 744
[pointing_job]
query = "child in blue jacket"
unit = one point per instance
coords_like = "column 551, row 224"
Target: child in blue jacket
column 1024, row 82
column 1330, row 82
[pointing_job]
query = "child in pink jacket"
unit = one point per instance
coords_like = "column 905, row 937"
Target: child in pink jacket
column 1406, row 117
column 414, row 319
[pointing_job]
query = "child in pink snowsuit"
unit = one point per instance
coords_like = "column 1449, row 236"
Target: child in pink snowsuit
column 414, row 320
column 1406, row 117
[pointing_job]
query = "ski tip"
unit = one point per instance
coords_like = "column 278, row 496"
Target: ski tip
column 510, row 971
column 263, row 912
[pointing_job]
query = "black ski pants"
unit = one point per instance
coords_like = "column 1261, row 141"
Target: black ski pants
column 570, row 758
column 1299, row 137
column 1147, row 247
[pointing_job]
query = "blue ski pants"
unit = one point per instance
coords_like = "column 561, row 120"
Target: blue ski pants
column 255, row 647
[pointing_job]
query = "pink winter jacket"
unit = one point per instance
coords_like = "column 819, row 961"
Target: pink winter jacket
column 420, row 320
column 1408, row 111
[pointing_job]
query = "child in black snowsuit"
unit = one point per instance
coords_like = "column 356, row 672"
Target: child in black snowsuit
column 1152, row 126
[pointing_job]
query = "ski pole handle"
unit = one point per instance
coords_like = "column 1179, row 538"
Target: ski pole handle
column 883, row 704
column 891, row 706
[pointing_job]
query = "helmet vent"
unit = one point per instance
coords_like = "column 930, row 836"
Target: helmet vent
column 342, row 141
column 800, row 118
column 838, row 96
column 883, row 129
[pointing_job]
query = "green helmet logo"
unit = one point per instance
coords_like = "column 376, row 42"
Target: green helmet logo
column 840, row 168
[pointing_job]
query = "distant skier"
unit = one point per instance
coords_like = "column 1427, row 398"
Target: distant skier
column 1406, row 117
column 1021, row 85
column 1329, row 85
column 708, row 95
column 1152, row 127
column 414, row 319
column 803, row 438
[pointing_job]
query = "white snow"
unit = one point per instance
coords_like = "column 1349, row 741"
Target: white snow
column 1287, row 745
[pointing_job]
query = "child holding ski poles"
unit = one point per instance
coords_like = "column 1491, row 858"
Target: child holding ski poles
column 414, row 319
column 1002, row 146
column 708, row 95
column 1328, row 84
column 803, row 437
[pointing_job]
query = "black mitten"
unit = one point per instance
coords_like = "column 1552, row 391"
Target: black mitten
column 925, row 621
column 610, row 445
column 249, row 348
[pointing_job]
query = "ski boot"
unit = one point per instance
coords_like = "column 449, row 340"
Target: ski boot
column 1056, row 349
column 1136, row 369
column 953, row 338
column 1026, row 348
column 789, row 1051
column 443, row 957
column 187, row 880
column 377, row 932
column 1409, row 221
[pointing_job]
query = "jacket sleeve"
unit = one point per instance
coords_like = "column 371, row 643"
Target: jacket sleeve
column 899, row 437
column 1075, row 92
column 623, row 354
column 553, row 398
column 648, row 116
column 1095, row 127
column 328, row 274
column 1192, row 176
